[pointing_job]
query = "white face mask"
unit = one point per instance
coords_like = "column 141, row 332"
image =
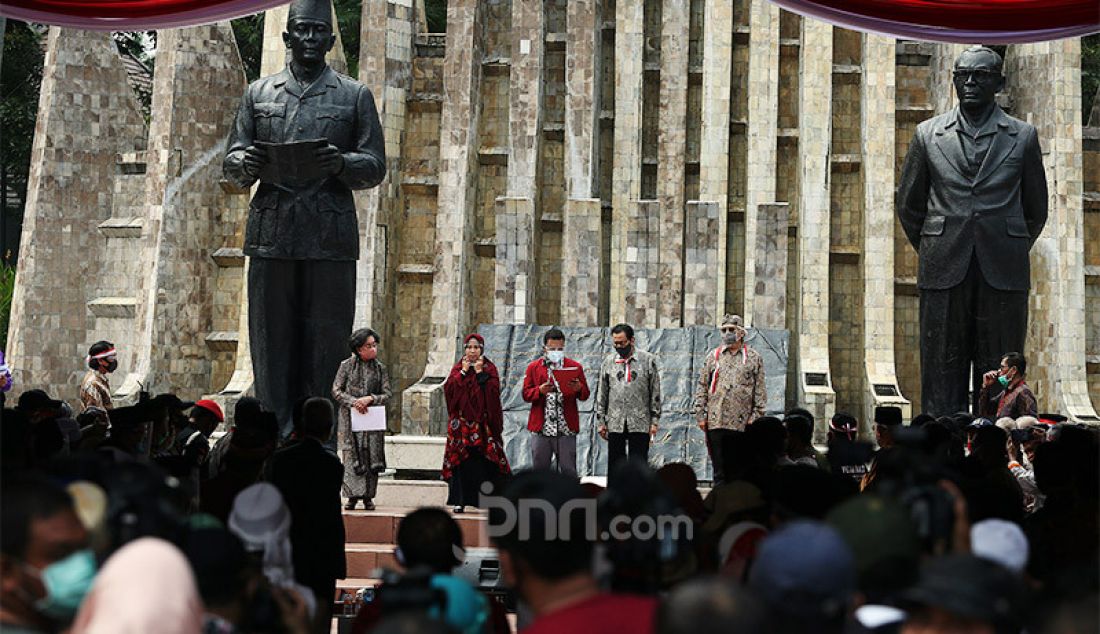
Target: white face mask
column 555, row 356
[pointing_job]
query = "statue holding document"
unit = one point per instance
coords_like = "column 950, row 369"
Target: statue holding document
column 309, row 136
column 361, row 390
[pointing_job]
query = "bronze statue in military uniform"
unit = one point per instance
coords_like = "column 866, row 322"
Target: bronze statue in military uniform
column 302, row 233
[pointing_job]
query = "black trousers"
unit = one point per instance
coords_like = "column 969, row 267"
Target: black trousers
column 716, row 439
column 971, row 323
column 300, row 313
column 618, row 443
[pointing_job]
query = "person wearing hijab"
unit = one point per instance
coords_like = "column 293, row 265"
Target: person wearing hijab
column 145, row 586
column 261, row 520
column 361, row 382
column 475, row 450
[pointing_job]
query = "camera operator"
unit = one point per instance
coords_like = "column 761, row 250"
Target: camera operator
column 429, row 547
column 1022, row 443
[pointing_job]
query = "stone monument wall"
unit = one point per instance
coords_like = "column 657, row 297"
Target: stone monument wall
column 582, row 163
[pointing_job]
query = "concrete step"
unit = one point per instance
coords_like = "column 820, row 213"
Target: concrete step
column 364, row 559
column 380, row 526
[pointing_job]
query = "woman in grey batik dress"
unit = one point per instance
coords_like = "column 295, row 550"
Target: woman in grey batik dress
column 361, row 382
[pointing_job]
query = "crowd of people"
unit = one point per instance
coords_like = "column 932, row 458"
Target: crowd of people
column 135, row 519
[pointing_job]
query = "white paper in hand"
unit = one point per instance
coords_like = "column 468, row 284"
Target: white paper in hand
column 373, row 420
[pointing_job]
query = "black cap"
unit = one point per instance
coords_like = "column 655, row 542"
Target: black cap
column 170, row 401
column 889, row 415
column 34, row 400
column 130, row 417
column 968, row 586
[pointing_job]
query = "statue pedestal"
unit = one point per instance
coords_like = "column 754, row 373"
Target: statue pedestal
column 423, row 410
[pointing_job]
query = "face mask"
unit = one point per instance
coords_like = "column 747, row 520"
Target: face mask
column 555, row 356
column 625, row 351
column 369, row 354
column 730, row 338
column 66, row 582
column 112, row 365
column 1003, row 380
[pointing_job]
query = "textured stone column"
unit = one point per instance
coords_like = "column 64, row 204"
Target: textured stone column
column 641, row 243
column 581, row 253
column 87, row 115
column 581, row 63
column 515, row 217
column 196, row 91
column 671, row 150
column 941, row 87
column 763, row 100
column 815, row 117
column 385, row 66
column 1045, row 83
column 878, row 143
column 770, row 299
column 627, row 163
column 714, row 135
column 702, row 268
column 422, row 407
column 514, row 300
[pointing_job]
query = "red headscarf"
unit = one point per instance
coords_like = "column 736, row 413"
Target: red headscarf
column 474, row 400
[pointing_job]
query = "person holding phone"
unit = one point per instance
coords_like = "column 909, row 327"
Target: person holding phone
column 474, row 453
column 553, row 392
column 1004, row 392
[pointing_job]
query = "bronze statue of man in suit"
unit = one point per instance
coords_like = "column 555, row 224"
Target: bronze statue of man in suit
column 972, row 199
column 302, row 233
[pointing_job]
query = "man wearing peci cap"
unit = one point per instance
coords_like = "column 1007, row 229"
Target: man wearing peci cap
column 95, row 390
column 730, row 393
column 887, row 421
column 302, row 233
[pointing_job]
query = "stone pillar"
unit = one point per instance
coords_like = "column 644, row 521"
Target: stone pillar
column 422, row 409
column 770, row 298
column 715, row 124
column 514, row 300
column 815, row 117
column 1044, row 80
column 941, row 93
column 385, row 66
column 639, row 277
column 581, row 87
column 515, row 217
column 702, row 268
column 763, row 100
column 196, row 92
column 627, row 163
column 582, row 241
column 87, row 116
column 671, row 151
column 878, row 143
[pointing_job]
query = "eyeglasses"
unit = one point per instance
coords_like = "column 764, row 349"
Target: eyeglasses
column 980, row 75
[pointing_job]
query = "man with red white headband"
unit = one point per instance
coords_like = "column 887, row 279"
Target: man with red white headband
column 95, row 390
column 730, row 393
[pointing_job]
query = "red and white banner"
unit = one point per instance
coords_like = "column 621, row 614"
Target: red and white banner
column 987, row 21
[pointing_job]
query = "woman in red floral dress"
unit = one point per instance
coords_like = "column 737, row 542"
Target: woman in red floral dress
column 475, row 449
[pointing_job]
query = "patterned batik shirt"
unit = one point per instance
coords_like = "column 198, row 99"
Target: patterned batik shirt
column 738, row 395
column 553, row 424
column 95, row 391
column 629, row 393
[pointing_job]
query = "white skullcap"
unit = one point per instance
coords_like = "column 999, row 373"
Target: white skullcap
column 1001, row 542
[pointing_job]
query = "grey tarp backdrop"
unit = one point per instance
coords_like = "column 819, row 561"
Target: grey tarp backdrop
column 680, row 353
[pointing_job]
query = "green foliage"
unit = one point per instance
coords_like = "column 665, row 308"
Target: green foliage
column 20, row 79
column 436, row 14
column 7, row 288
column 349, row 16
column 1090, row 74
column 249, row 33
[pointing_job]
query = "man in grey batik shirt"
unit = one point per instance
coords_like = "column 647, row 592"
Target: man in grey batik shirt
column 629, row 404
